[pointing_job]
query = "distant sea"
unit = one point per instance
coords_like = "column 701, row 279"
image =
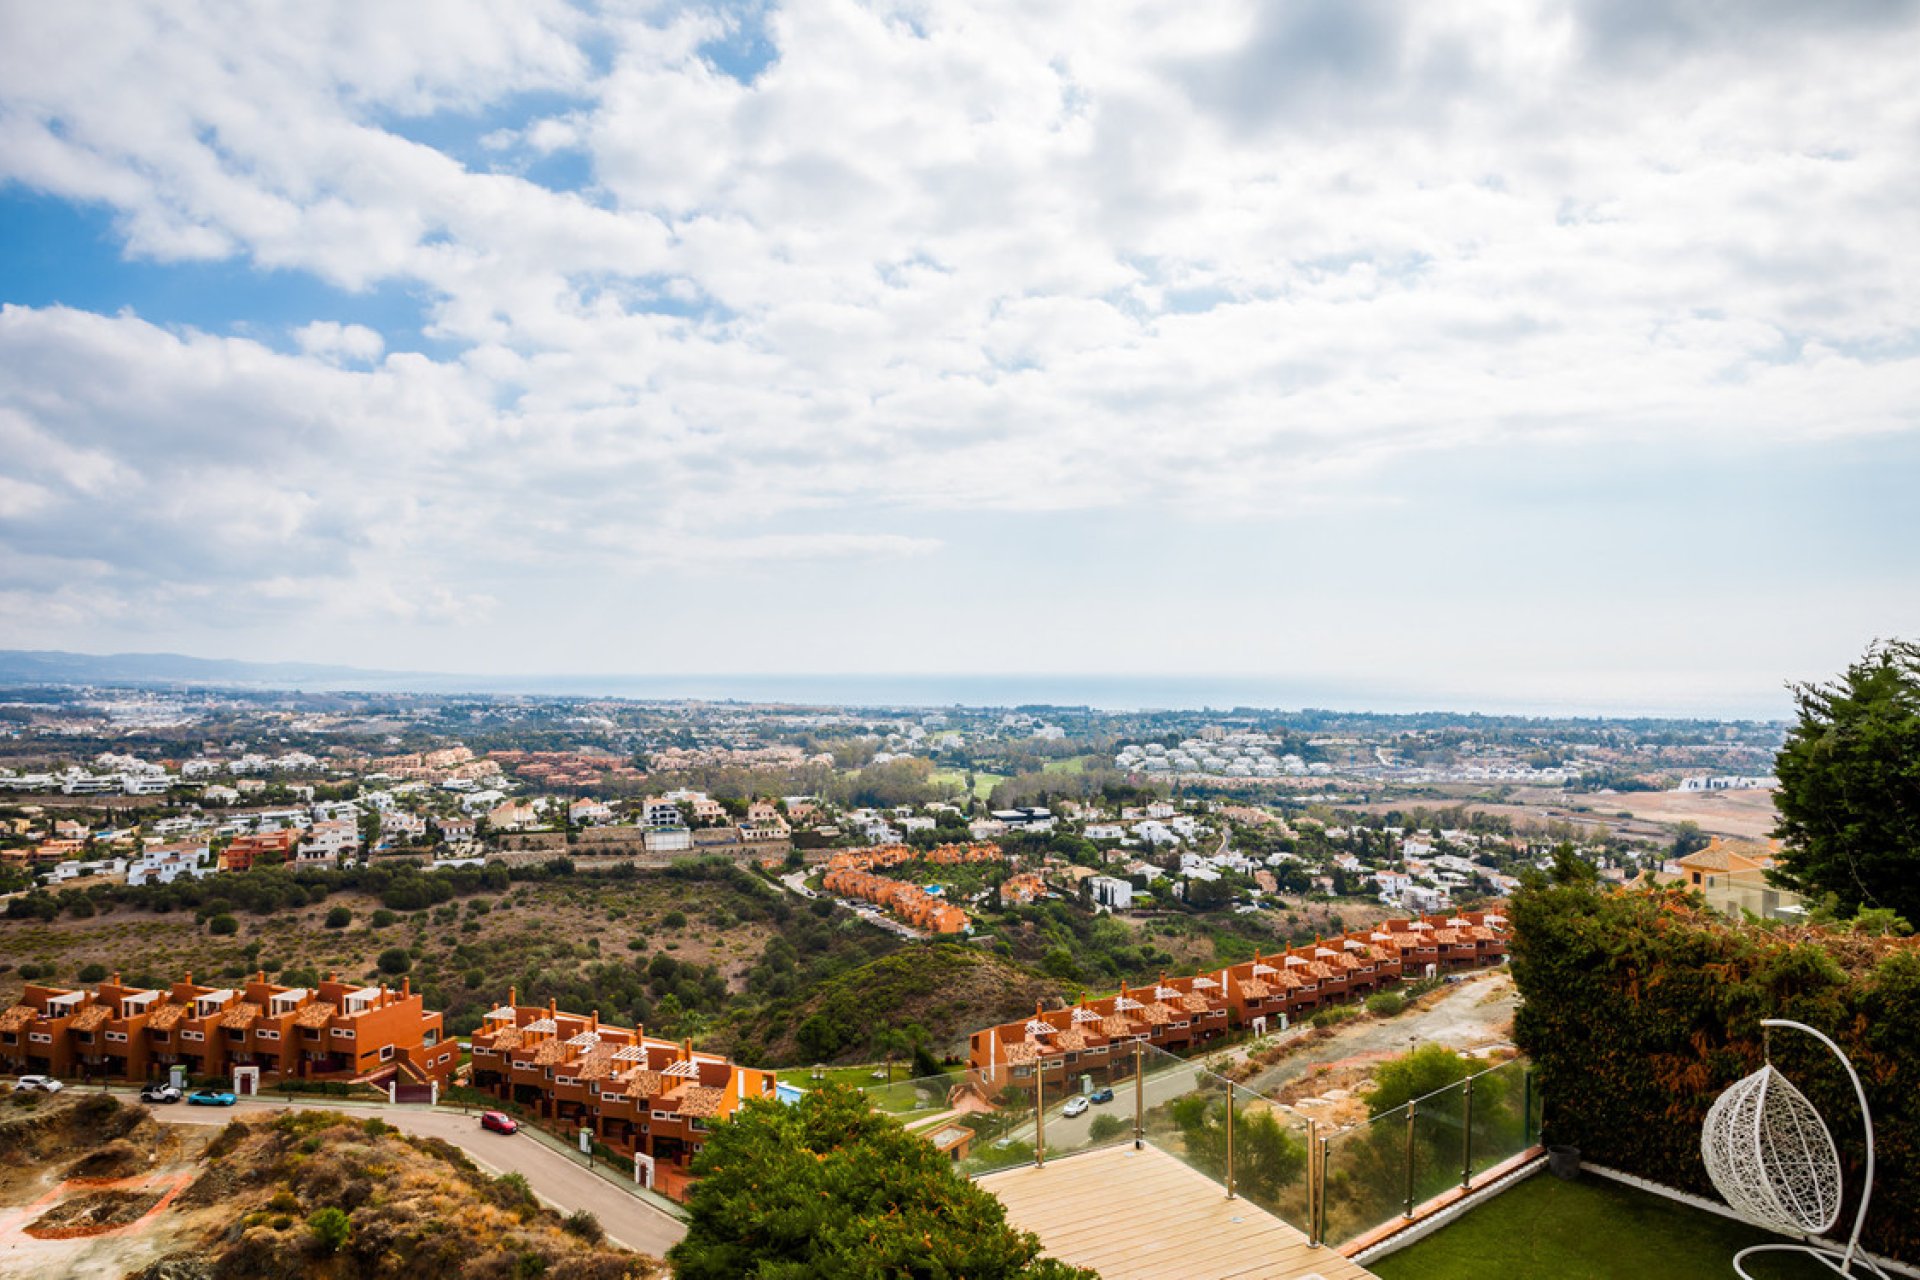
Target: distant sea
column 1098, row 692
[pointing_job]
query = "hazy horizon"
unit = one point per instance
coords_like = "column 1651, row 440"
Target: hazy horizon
column 1099, row 691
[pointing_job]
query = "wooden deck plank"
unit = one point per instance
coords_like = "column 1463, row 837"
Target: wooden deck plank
column 1143, row 1215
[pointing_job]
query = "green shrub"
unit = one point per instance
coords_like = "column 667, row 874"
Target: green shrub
column 223, row 925
column 1107, row 1126
column 1386, row 1004
column 331, row 1229
column 1640, row 1007
column 395, row 960
column 339, row 918
column 383, row 917
column 93, row 973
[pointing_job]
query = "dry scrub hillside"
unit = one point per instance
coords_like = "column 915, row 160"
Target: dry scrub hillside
column 92, row 1187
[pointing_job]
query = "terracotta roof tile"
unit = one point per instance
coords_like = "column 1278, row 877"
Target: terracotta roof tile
column 1073, row 1040
column 92, row 1018
column 550, row 1053
column 316, row 1015
column 701, row 1101
column 641, row 1083
column 1255, row 989
column 505, row 1038
column 18, row 1017
column 1023, row 1051
column 1156, row 1015
column 1193, row 1002
column 166, row 1017
column 240, row 1016
column 1114, row 1025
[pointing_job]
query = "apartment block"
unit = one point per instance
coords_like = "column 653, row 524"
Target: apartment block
column 1180, row 1013
column 640, row 1095
column 335, row 1031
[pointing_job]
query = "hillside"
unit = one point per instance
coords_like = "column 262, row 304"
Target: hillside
column 100, row 1188
column 947, row 989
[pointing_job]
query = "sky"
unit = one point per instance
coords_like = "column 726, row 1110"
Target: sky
column 1565, row 351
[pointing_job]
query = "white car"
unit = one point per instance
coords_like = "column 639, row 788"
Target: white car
column 37, row 1084
column 1076, row 1105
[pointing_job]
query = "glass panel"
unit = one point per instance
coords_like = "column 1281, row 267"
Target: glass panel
column 1366, row 1176
column 1003, row 1134
column 1499, row 1115
column 1270, row 1157
column 1438, row 1136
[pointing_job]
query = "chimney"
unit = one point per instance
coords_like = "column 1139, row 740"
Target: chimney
column 513, row 997
column 189, row 977
column 595, row 1020
column 116, row 977
column 406, row 986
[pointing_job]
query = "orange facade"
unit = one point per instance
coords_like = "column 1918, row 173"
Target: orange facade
column 335, row 1031
column 637, row 1094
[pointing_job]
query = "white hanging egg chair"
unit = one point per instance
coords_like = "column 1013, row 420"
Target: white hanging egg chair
column 1771, row 1158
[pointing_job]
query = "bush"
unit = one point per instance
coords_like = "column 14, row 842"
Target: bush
column 1105, row 1127
column 339, row 918
column 1640, row 1007
column 583, row 1224
column 383, row 917
column 673, row 920
column 331, row 1229
column 395, row 960
column 223, row 925
column 93, row 973
column 1386, row 1004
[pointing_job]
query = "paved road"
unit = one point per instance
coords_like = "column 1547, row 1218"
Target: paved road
column 562, row 1183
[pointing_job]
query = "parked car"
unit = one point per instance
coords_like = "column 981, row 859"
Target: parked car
column 1076, row 1105
column 499, row 1122
column 160, row 1093
column 37, row 1084
column 1102, row 1095
column 209, row 1098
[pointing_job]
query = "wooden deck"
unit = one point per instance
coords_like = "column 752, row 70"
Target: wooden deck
column 1142, row 1215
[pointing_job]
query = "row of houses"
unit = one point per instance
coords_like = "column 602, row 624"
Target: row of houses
column 1262, row 993
column 907, row 902
column 332, row 1031
column 648, row 1099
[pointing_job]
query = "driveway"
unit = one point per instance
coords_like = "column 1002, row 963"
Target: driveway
column 562, row 1183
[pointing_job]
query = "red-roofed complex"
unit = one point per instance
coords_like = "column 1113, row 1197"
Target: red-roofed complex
column 1176, row 1013
column 335, row 1031
column 638, row 1094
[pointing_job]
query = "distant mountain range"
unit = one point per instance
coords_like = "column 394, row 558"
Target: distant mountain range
column 53, row 666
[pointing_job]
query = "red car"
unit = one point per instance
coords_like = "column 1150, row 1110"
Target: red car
column 498, row 1122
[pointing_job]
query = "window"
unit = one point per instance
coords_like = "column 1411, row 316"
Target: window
column 267, row 1034
column 40, row 1037
column 343, row 1033
column 116, row 1037
column 193, row 1035
column 386, row 1052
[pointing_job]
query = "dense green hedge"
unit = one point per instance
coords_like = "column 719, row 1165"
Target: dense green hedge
column 1641, row 1006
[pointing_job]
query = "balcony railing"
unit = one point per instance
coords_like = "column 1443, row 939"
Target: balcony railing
column 1333, row 1183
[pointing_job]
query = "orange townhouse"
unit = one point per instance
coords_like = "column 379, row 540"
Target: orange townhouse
column 333, row 1031
column 649, row 1099
column 1177, row 1013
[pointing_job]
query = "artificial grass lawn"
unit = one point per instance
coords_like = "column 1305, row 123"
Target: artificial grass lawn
column 1590, row 1229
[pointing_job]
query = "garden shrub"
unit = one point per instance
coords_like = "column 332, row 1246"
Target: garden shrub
column 1641, row 1006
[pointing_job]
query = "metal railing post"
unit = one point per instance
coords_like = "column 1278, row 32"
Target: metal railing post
column 1320, row 1224
column 1229, row 1141
column 1313, row 1183
column 1139, row 1097
column 1466, row 1139
column 1410, row 1107
column 1039, row 1115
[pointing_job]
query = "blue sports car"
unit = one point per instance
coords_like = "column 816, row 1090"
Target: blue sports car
column 209, row 1098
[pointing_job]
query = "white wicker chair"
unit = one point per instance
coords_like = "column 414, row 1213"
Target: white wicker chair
column 1771, row 1158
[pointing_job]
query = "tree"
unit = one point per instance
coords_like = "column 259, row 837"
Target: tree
column 826, row 1187
column 395, row 960
column 1426, row 1070
column 1849, row 797
column 339, row 918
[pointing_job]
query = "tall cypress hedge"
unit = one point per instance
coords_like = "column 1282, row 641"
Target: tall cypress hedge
column 1641, row 1005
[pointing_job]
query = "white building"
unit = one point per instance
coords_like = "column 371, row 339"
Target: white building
column 1111, row 891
